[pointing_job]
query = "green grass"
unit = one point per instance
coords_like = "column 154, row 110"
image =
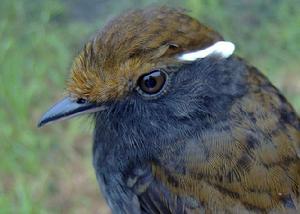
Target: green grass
column 35, row 55
column 49, row 170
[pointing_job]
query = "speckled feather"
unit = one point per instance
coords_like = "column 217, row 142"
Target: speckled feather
column 259, row 170
column 222, row 139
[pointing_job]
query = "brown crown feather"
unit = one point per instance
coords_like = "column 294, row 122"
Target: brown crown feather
column 131, row 45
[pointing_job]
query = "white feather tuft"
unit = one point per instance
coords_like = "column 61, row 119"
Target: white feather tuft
column 222, row 48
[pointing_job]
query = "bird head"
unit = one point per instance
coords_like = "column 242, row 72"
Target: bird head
column 140, row 56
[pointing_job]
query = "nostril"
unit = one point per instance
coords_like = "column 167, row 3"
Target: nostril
column 80, row 101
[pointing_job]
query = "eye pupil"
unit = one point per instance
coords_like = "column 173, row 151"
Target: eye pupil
column 152, row 82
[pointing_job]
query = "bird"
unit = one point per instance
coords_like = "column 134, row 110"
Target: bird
column 181, row 123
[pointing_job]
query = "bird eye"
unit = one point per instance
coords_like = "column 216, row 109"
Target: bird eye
column 153, row 82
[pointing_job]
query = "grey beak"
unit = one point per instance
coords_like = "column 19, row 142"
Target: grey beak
column 67, row 108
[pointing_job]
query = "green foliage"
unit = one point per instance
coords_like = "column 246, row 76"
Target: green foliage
column 34, row 58
column 38, row 41
column 265, row 30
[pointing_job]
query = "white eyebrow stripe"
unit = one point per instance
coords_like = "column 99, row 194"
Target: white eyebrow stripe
column 222, row 48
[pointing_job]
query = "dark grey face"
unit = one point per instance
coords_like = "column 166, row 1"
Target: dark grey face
column 196, row 95
column 137, row 131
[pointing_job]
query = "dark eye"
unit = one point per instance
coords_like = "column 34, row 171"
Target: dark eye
column 153, row 82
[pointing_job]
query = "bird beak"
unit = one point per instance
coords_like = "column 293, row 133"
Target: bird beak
column 68, row 108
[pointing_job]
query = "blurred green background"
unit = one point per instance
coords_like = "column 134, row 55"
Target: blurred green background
column 49, row 170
